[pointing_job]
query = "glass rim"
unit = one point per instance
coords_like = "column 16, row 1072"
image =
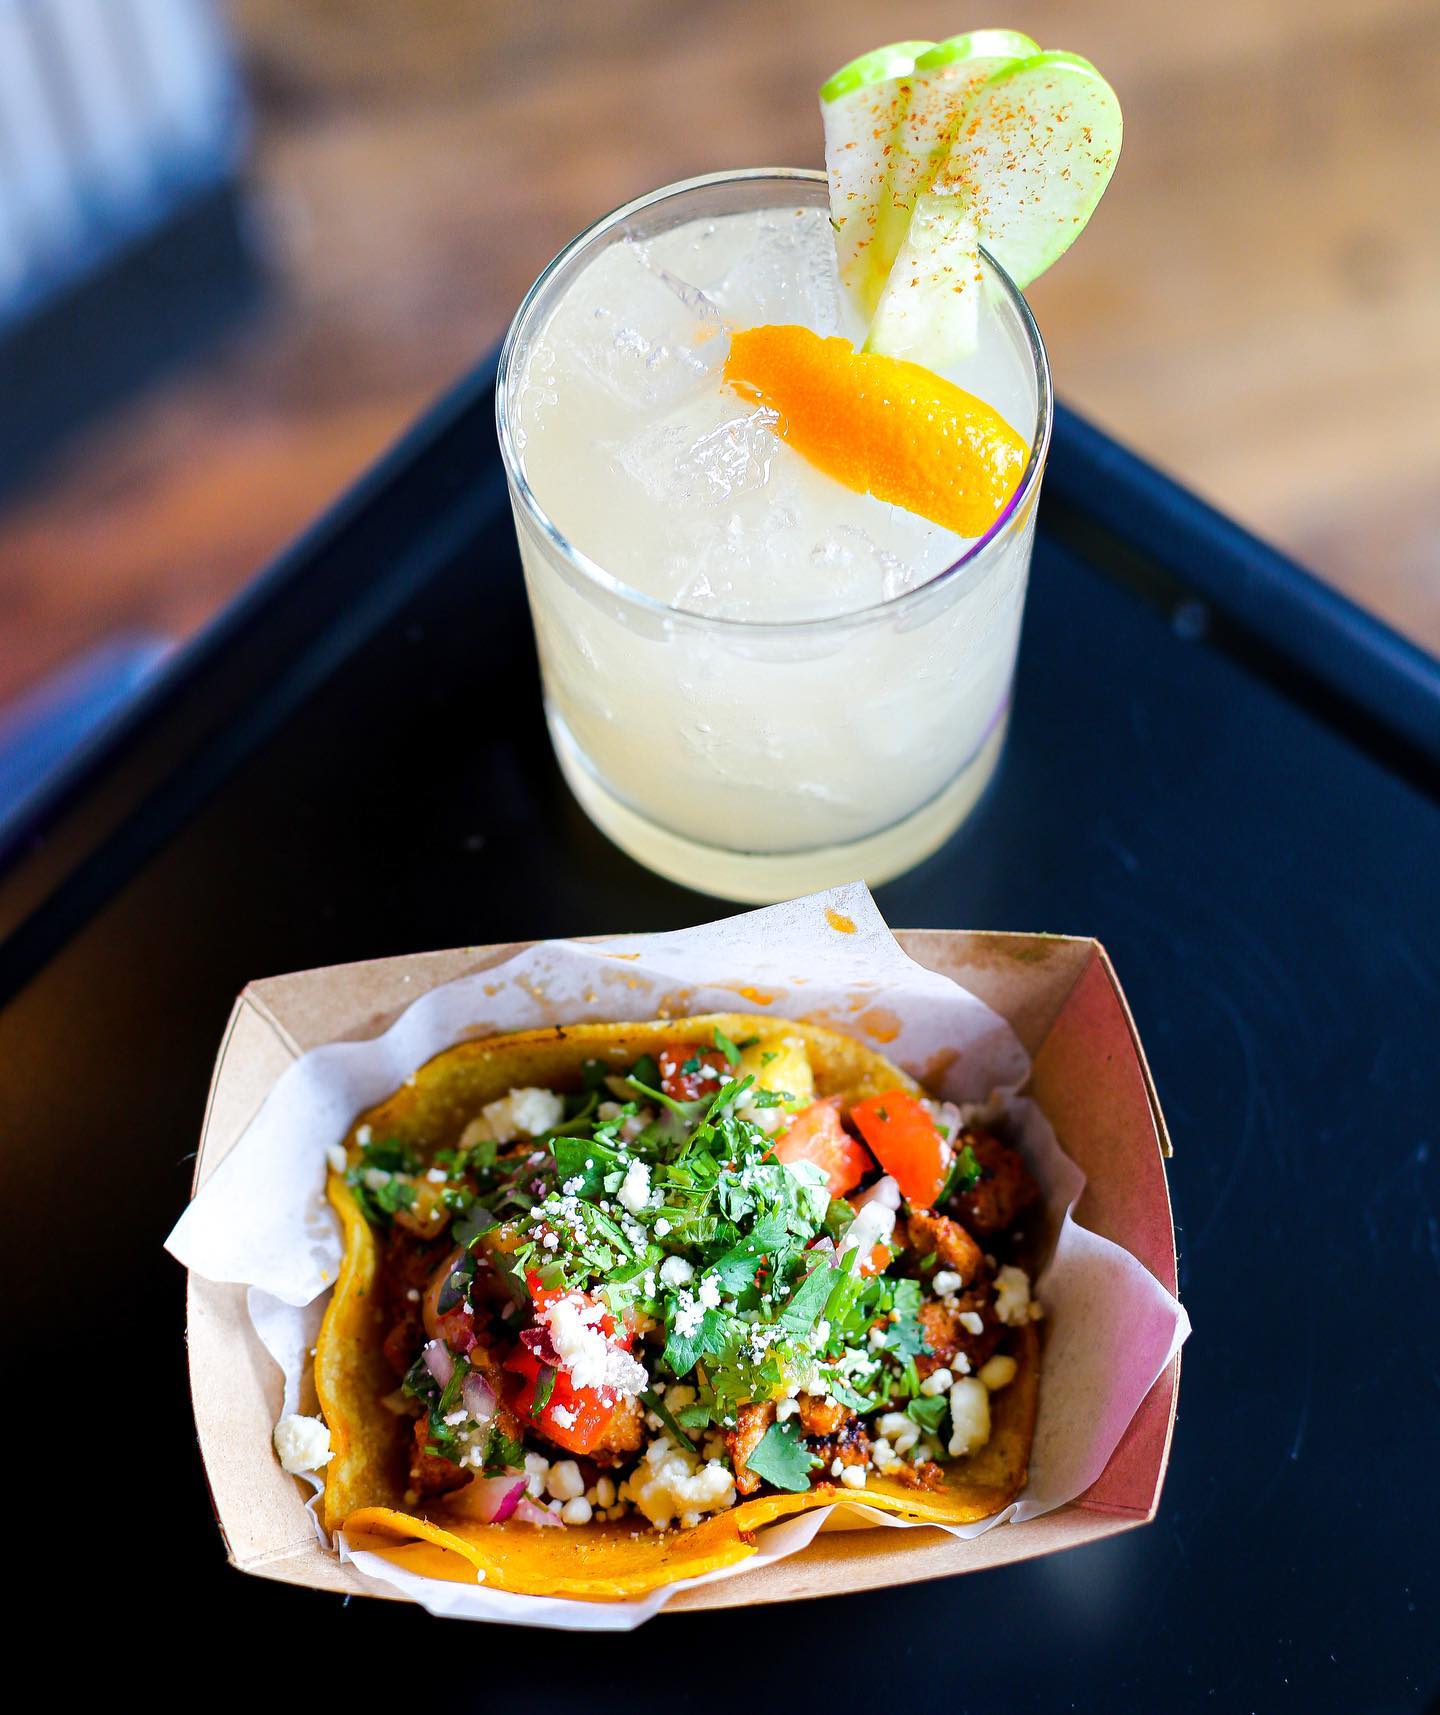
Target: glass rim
column 596, row 574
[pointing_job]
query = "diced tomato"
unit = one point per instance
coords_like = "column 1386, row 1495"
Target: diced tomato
column 707, row 1067
column 583, row 1412
column 816, row 1135
column 544, row 1296
column 906, row 1143
column 877, row 1261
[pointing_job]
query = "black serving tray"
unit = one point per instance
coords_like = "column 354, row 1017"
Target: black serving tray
column 1224, row 771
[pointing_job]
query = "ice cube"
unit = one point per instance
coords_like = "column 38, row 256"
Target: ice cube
column 689, row 458
column 850, row 570
column 699, row 251
column 647, row 336
column 735, row 565
column 786, row 274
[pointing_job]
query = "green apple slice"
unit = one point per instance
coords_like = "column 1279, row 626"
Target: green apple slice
column 936, row 92
column 930, row 307
column 861, row 109
column 1033, row 154
column 1021, row 167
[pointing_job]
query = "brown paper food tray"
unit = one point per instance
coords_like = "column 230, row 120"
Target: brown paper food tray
column 1062, row 997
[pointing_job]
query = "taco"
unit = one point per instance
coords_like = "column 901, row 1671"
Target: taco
column 613, row 1297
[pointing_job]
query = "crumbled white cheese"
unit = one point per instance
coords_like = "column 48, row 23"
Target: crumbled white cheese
column 335, row 1155
column 938, row 1381
column 605, row 1491
column 634, row 1192
column 901, row 1431
column 946, row 1281
column 853, row 1476
column 668, row 1483
column 674, row 1271
column 786, row 1409
column 708, row 1292
column 689, row 1314
column 972, row 1321
column 585, row 1353
column 564, row 1480
column 885, row 1457
column 577, row 1511
column 563, row 1415
column 525, row 1112
column 302, row 1443
column 662, row 1226
column 1012, row 1296
column 969, row 1416
column 999, row 1372
column 537, row 1469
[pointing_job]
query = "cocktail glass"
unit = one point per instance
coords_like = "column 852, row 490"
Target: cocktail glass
column 757, row 759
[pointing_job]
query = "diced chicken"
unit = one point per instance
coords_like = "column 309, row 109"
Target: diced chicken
column 928, row 1233
column 926, row 1475
column 429, row 1473
column 624, row 1433
column 821, row 1416
column 850, row 1445
column 1004, row 1189
column 947, row 1335
column 408, row 1268
column 751, row 1422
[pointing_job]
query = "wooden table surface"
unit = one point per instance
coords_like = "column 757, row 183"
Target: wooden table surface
column 1256, row 306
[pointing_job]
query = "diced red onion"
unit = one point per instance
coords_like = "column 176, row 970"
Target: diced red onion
column 478, row 1398
column 532, row 1513
column 438, row 1361
column 538, row 1341
column 493, row 1499
column 884, row 1191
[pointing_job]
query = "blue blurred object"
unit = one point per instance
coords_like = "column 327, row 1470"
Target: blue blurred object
column 122, row 242
column 112, row 114
column 40, row 732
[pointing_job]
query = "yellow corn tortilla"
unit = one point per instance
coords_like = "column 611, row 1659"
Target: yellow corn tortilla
column 366, row 1478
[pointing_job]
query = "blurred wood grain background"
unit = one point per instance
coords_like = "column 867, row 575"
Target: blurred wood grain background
column 1256, row 306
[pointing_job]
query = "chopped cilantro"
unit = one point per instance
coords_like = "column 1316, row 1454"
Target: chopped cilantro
column 502, row 1452
column 544, row 1387
column 964, row 1175
column 476, row 1220
column 726, row 1046
column 782, row 1459
column 456, row 1286
column 928, row 1411
column 804, row 1308
column 653, row 1402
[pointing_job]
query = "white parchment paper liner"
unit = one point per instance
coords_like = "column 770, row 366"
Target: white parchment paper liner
column 262, row 1219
